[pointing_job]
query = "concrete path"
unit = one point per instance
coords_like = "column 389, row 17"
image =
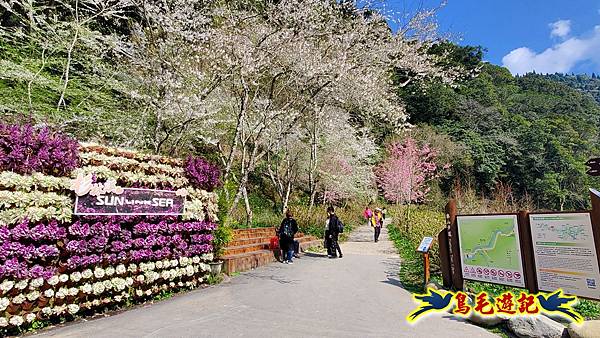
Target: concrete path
column 356, row 296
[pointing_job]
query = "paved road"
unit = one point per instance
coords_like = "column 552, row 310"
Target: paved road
column 356, row 296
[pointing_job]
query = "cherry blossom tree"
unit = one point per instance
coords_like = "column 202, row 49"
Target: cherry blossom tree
column 404, row 174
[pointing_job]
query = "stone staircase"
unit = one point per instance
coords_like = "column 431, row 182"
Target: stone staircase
column 249, row 248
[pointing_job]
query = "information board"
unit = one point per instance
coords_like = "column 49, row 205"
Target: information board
column 425, row 245
column 490, row 249
column 565, row 254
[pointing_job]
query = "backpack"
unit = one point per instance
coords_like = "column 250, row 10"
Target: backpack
column 287, row 230
column 340, row 226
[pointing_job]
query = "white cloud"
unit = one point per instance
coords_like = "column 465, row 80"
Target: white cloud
column 560, row 28
column 561, row 57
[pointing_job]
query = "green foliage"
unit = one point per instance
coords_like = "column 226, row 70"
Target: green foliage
column 214, row 280
column 532, row 132
column 223, row 235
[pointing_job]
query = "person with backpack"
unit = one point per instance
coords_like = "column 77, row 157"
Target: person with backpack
column 287, row 230
column 377, row 223
column 333, row 228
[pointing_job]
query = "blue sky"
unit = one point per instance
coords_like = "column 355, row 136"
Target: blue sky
column 524, row 35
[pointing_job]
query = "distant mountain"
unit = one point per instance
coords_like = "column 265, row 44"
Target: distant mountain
column 585, row 83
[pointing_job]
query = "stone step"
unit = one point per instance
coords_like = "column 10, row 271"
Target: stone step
column 257, row 244
column 247, row 261
column 240, row 249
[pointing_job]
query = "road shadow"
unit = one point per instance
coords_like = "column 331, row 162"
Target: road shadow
column 271, row 277
column 314, row 254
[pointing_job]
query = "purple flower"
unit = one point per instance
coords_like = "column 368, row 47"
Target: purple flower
column 202, row 174
column 4, row 234
column 26, row 149
column 39, row 232
column 79, row 229
column 47, row 251
column 21, row 231
column 77, row 247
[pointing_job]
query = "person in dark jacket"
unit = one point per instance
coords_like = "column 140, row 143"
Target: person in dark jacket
column 287, row 230
column 332, row 232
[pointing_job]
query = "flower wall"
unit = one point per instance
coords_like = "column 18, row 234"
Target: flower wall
column 54, row 264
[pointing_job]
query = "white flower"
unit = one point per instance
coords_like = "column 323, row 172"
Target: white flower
column 99, row 272
column 87, row 274
column 22, row 284
column 72, row 308
column 47, row 311
column 96, row 302
column 4, row 302
column 107, row 284
column 53, row 280
column 132, row 267
column 159, row 265
column 166, row 264
column 3, row 322
column 139, row 292
column 174, row 262
column 207, row 257
column 30, row 317
column 164, row 287
column 165, row 274
column 63, row 278
column 49, row 293
column 151, row 266
column 86, row 288
column 16, row 320
column 18, row 299
column 110, row 271
column 140, row 278
column 196, row 269
column 61, row 293
column 36, row 283
column 33, row 295
column 98, row 288
column 7, row 285
column 129, row 281
column 118, row 298
column 189, row 270
column 76, row 276
column 121, row 269
column 172, row 284
column 183, row 261
column 58, row 310
column 73, row 291
column 196, row 259
column 148, row 292
column 180, row 284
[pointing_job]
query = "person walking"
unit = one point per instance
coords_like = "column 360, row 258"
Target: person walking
column 368, row 213
column 377, row 223
column 287, row 230
column 334, row 227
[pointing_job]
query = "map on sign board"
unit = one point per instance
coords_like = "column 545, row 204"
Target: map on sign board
column 489, row 248
column 565, row 253
column 425, row 245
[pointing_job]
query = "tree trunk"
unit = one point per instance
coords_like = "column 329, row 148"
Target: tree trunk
column 248, row 209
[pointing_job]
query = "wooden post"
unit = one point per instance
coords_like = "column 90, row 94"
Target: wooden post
column 527, row 252
column 426, row 267
column 445, row 258
column 595, row 196
column 451, row 212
